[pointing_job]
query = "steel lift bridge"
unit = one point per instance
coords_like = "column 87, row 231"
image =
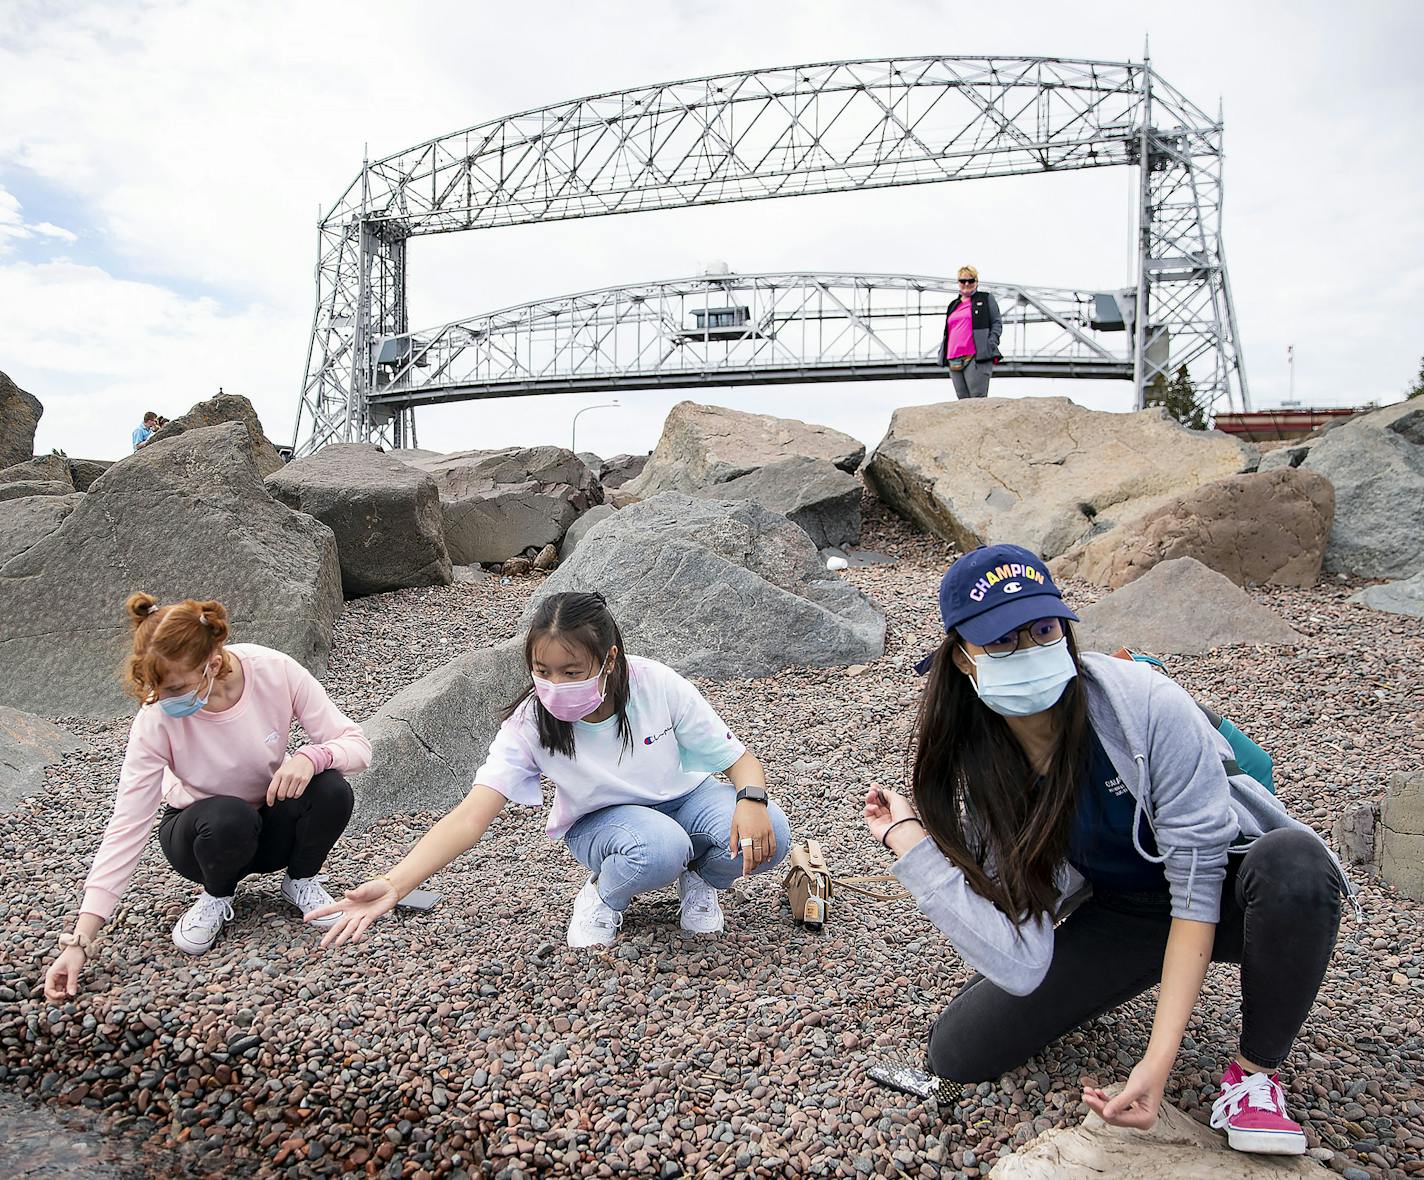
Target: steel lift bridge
column 751, row 136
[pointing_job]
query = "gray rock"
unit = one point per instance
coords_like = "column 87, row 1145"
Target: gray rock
column 706, row 445
column 581, row 526
column 1292, row 456
column 1180, row 607
column 189, row 517
column 27, row 745
column 1376, row 462
column 27, row 520
column 19, row 416
column 720, row 589
column 1401, row 834
column 1355, row 832
column 497, row 504
column 50, row 468
column 1040, row 472
column 85, row 471
column 226, row 407
column 429, row 739
column 390, row 531
column 813, row 493
column 615, row 472
column 35, row 487
column 471, row 573
column 1405, row 597
column 590, row 460
column 546, row 559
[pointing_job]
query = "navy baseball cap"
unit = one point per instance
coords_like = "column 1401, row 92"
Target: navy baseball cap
column 994, row 590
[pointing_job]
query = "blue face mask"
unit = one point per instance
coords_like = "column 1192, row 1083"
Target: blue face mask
column 187, row 703
column 1026, row 682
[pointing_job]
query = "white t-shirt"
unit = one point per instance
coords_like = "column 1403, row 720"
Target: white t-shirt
column 678, row 740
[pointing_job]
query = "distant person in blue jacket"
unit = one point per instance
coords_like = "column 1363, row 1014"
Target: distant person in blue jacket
column 143, row 432
column 1080, row 833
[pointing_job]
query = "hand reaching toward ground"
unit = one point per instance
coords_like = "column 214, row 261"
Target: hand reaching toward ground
column 358, row 908
column 883, row 808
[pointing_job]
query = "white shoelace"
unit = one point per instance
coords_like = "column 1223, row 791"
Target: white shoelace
column 309, row 893
column 209, row 912
column 1258, row 1091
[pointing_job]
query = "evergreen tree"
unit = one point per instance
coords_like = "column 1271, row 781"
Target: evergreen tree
column 1178, row 397
column 1417, row 389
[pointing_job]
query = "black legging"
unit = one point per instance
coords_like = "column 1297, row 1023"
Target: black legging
column 218, row 841
column 1280, row 910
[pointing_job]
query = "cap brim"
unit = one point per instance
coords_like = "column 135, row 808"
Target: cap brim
column 1010, row 616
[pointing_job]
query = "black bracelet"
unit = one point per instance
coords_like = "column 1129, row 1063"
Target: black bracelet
column 885, row 839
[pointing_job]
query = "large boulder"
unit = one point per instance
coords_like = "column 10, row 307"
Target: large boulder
column 1400, row 836
column 27, row 745
column 26, row 488
column 720, row 589
column 497, row 504
column 189, row 517
column 1177, row 1148
column 226, row 407
column 1039, row 471
column 615, row 472
column 50, row 468
column 1376, row 462
column 85, row 472
column 1260, row 527
column 814, row 493
column 581, row 526
column 1180, row 607
column 706, row 445
column 26, row 521
column 386, row 515
column 19, row 416
column 1404, row 597
column 428, row 740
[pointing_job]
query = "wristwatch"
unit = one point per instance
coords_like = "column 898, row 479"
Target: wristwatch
column 755, row 794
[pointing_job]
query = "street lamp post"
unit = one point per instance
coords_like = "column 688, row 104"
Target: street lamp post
column 573, row 430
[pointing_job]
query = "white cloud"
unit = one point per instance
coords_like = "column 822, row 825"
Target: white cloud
column 14, row 228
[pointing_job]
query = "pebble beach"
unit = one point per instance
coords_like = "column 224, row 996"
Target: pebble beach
column 470, row 1041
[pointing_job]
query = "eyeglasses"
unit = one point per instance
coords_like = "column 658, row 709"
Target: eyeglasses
column 1043, row 632
column 967, row 282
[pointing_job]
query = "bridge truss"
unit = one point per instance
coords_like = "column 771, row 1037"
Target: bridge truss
column 742, row 330
column 775, row 133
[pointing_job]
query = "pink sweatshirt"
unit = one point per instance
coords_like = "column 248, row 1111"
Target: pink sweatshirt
column 960, row 341
column 179, row 760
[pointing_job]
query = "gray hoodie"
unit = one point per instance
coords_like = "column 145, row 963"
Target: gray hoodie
column 1173, row 762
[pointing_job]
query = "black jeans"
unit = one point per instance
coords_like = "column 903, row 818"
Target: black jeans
column 1280, row 911
column 218, row 841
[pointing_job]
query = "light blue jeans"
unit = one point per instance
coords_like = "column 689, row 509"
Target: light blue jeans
column 634, row 848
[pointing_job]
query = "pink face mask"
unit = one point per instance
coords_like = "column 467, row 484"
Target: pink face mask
column 571, row 700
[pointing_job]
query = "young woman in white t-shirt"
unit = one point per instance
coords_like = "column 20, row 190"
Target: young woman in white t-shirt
column 631, row 747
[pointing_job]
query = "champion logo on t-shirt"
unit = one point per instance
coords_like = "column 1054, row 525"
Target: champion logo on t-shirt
column 1115, row 786
column 648, row 741
column 273, row 738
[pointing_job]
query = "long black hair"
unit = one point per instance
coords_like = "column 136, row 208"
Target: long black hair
column 583, row 621
column 970, row 772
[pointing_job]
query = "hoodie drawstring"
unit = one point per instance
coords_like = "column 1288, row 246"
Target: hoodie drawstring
column 1140, row 813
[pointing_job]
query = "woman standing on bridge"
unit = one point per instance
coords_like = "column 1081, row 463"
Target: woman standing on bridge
column 972, row 327
column 1080, row 833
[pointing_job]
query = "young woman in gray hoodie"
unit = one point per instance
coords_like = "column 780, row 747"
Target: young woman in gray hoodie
column 1081, row 833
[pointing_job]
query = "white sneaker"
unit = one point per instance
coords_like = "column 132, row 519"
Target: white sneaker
column 307, row 894
column 593, row 923
column 198, row 929
column 701, row 911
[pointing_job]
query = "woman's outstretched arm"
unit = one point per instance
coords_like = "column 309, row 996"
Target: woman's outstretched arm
column 455, row 833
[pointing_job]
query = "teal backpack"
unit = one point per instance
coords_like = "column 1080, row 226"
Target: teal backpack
column 1250, row 758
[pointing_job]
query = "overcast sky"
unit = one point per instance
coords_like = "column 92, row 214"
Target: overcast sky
column 162, row 165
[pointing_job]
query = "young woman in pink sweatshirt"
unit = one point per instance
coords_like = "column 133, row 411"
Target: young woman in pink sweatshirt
column 210, row 742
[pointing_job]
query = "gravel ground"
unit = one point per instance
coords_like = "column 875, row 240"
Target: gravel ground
column 471, row 1041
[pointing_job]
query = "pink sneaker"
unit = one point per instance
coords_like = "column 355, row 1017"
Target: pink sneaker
column 1253, row 1111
